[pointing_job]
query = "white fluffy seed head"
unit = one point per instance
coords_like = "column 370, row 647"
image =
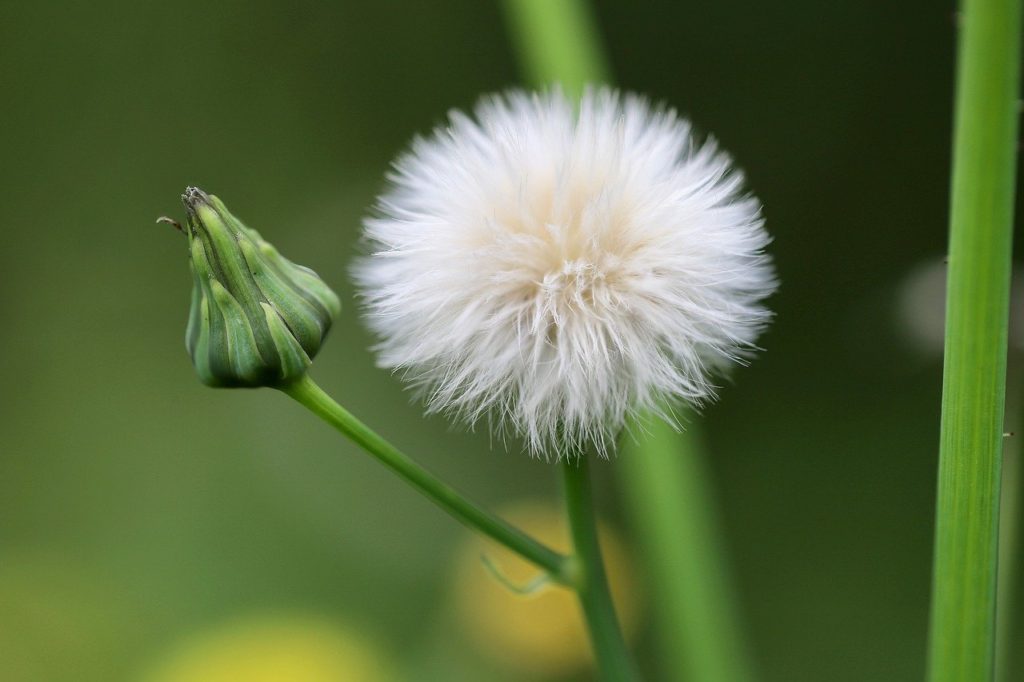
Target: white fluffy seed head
column 561, row 269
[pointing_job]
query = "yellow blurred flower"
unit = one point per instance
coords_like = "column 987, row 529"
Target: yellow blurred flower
column 274, row 649
column 542, row 633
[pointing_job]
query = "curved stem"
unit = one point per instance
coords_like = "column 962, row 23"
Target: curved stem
column 592, row 583
column 306, row 392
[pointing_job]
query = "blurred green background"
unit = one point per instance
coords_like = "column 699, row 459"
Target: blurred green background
column 138, row 508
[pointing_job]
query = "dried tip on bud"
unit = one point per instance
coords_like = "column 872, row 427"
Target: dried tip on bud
column 172, row 222
column 257, row 319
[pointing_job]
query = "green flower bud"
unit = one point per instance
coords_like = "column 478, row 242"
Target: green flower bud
column 257, row 319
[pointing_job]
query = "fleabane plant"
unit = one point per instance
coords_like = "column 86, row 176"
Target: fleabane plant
column 557, row 265
column 560, row 266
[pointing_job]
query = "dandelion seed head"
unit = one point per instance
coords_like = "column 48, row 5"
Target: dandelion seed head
column 561, row 269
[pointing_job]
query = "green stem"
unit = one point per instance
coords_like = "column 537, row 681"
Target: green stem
column 671, row 499
column 962, row 637
column 312, row 397
column 592, row 583
column 557, row 42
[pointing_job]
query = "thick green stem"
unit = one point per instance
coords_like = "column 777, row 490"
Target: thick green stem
column 557, row 41
column 671, row 499
column 311, row 396
column 592, row 583
column 962, row 637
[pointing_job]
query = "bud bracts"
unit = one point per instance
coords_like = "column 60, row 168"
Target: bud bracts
column 257, row 319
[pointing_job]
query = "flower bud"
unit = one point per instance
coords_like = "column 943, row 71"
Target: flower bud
column 257, row 319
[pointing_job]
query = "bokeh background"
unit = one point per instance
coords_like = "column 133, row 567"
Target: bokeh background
column 149, row 524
